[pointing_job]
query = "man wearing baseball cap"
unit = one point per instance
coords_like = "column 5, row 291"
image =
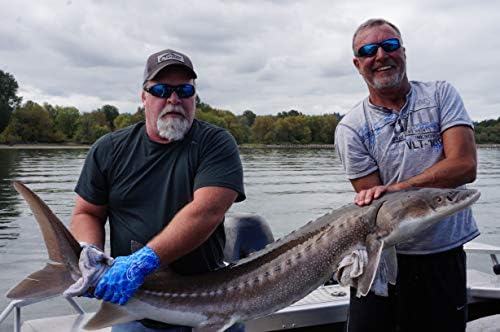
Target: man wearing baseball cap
column 166, row 182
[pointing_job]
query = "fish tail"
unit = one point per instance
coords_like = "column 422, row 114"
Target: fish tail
column 63, row 250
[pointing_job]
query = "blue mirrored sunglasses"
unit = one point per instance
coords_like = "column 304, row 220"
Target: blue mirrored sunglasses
column 369, row 50
column 165, row 90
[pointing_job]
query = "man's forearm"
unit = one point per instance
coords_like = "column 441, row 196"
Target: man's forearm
column 193, row 224
column 445, row 174
column 458, row 167
column 187, row 231
column 89, row 229
column 87, row 222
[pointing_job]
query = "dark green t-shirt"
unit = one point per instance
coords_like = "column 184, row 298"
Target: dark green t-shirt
column 145, row 184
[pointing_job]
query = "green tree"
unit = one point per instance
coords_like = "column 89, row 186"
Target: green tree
column 139, row 115
column 292, row 129
column 51, row 110
column 29, row 123
column 66, row 121
column 110, row 112
column 322, row 128
column 124, row 120
column 263, row 130
column 8, row 98
column 487, row 131
column 91, row 126
column 289, row 113
column 248, row 118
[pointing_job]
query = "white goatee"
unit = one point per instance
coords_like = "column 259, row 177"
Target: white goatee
column 173, row 128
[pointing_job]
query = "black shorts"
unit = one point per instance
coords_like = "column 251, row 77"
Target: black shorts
column 430, row 295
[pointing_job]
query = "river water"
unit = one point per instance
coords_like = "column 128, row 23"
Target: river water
column 288, row 187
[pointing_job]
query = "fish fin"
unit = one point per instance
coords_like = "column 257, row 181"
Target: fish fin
column 62, row 248
column 386, row 272
column 109, row 314
column 209, row 328
column 391, row 260
column 374, row 248
column 214, row 324
column 52, row 280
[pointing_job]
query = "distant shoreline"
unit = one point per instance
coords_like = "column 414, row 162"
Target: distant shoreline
column 327, row 146
column 43, row 146
column 47, row 146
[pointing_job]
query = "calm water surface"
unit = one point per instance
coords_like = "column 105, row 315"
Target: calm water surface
column 287, row 187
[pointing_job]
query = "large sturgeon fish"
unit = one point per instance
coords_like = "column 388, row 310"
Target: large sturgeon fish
column 268, row 280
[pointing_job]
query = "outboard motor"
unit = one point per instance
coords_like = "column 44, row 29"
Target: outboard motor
column 245, row 233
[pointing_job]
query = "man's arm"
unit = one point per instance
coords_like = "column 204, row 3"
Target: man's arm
column 87, row 222
column 192, row 225
column 458, row 167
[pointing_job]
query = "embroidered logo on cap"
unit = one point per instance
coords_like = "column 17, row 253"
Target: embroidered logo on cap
column 170, row 56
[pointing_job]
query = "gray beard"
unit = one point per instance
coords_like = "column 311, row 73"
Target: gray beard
column 172, row 129
column 390, row 82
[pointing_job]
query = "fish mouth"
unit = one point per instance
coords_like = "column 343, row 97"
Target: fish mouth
column 464, row 198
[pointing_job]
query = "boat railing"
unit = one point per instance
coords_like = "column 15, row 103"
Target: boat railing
column 483, row 248
column 16, row 306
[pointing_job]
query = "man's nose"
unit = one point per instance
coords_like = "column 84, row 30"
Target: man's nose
column 174, row 98
column 381, row 53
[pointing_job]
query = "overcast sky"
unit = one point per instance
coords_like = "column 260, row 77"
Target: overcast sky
column 266, row 56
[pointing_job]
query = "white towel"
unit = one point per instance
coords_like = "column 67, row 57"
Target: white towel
column 352, row 266
column 93, row 263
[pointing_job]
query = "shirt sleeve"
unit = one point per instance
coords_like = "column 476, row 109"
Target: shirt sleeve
column 220, row 164
column 353, row 153
column 452, row 109
column 93, row 181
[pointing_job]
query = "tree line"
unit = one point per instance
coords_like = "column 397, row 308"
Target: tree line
column 30, row 122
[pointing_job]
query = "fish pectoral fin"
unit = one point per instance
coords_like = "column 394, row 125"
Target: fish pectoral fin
column 109, row 314
column 52, row 280
column 387, row 272
column 374, row 248
column 214, row 324
column 391, row 261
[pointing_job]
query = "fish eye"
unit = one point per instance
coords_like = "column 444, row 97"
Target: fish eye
column 439, row 199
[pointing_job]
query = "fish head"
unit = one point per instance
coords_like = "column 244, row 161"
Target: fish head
column 404, row 214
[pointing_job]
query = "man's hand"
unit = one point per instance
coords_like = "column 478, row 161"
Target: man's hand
column 365, row 197
column 126, row 275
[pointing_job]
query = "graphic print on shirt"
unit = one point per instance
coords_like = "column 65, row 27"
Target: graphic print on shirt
column 417, row 136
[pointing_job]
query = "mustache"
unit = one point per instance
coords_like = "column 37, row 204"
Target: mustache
column 172, row 109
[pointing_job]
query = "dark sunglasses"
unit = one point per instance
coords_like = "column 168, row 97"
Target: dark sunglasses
column 165, row 91
column 388, row 45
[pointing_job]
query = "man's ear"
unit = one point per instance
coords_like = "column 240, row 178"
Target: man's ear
column 355, row 61
column 143, row 96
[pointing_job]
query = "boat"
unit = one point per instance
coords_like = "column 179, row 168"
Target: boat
column 325, row 309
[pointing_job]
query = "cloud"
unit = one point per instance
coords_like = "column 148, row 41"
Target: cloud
column 268, row 56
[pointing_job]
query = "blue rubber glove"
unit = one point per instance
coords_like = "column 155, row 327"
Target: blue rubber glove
column 126, row 275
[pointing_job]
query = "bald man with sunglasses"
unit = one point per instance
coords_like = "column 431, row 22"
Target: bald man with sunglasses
column 166, row 183
column 409, row 134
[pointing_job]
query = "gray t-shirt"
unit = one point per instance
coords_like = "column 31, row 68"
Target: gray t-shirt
column 400, row 145
column 145, row 184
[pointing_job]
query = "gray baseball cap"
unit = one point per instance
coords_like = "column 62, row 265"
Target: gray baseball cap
column 160, row 60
